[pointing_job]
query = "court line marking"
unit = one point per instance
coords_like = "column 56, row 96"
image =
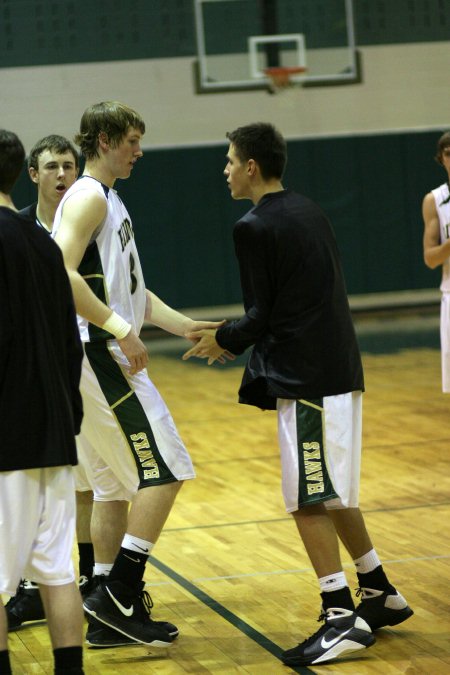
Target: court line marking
column 226, row 614
column 287, row 519
column 300, row 570
column 306, row 570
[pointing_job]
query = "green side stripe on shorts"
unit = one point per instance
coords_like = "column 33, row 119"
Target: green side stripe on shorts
column 130, row 416
column 314, row 482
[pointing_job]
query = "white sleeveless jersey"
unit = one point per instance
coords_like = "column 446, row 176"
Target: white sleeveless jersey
column 110, row 265
column 441, row 195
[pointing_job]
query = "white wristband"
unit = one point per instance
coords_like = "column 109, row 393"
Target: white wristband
column 117, row 326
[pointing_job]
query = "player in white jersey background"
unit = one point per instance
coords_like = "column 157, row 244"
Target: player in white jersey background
column 133, row 450
column 436, row 247
column 53, row 166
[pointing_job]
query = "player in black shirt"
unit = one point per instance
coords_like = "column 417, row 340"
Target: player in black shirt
column 40, row 413
column 305, row 363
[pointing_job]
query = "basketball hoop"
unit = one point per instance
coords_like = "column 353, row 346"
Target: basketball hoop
column 280, row 77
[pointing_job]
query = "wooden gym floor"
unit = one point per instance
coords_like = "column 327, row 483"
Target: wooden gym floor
column 229, row 568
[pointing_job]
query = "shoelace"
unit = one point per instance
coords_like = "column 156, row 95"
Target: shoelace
column 322, row 616
column 26, row 584
column 364, row 593
column 312, row 638
column 147, row 602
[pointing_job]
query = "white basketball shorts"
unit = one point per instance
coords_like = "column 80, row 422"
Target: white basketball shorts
column 128, row 438
column 320, row 447
column 81, row 480
column 445, row 342
column 37, row 527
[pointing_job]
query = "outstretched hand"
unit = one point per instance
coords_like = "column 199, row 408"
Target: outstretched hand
column 206, row 346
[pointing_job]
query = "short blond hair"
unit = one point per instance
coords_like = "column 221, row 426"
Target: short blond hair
column 110, row 117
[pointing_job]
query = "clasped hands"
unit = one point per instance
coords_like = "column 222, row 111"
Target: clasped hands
column 206, row 346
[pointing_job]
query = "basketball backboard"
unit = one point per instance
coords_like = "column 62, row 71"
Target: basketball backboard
column 238, row 40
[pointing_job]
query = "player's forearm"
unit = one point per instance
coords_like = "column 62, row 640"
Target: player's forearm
column 163, row 316
column 237, row 336
column 87, row 304
column 436, row 255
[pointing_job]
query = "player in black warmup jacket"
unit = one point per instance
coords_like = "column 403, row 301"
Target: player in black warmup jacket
column 305, row 363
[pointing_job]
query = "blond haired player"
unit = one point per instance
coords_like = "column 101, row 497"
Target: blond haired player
column 135, row 452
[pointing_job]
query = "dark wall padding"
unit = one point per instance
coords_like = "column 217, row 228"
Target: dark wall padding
column 371, row 187
column 39, row 32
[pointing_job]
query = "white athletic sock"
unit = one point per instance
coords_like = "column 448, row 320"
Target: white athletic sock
column 102, row 569
column 367, row 562
column 136, row 544
column 333, row 582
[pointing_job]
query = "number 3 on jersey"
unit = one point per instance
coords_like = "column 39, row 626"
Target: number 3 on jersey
column 133, row 280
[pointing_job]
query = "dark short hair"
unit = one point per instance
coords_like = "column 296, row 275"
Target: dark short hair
column 54, row 143
column 12, row 158
column 263, row 143
column 443, row 142
column 112, row 118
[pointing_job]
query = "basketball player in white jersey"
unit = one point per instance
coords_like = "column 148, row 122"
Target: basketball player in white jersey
column 134, row 452
column 436, row 247
column 53, row 166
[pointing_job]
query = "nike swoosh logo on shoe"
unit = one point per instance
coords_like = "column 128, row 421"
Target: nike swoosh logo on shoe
column 326, row 644
column 126, row 611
